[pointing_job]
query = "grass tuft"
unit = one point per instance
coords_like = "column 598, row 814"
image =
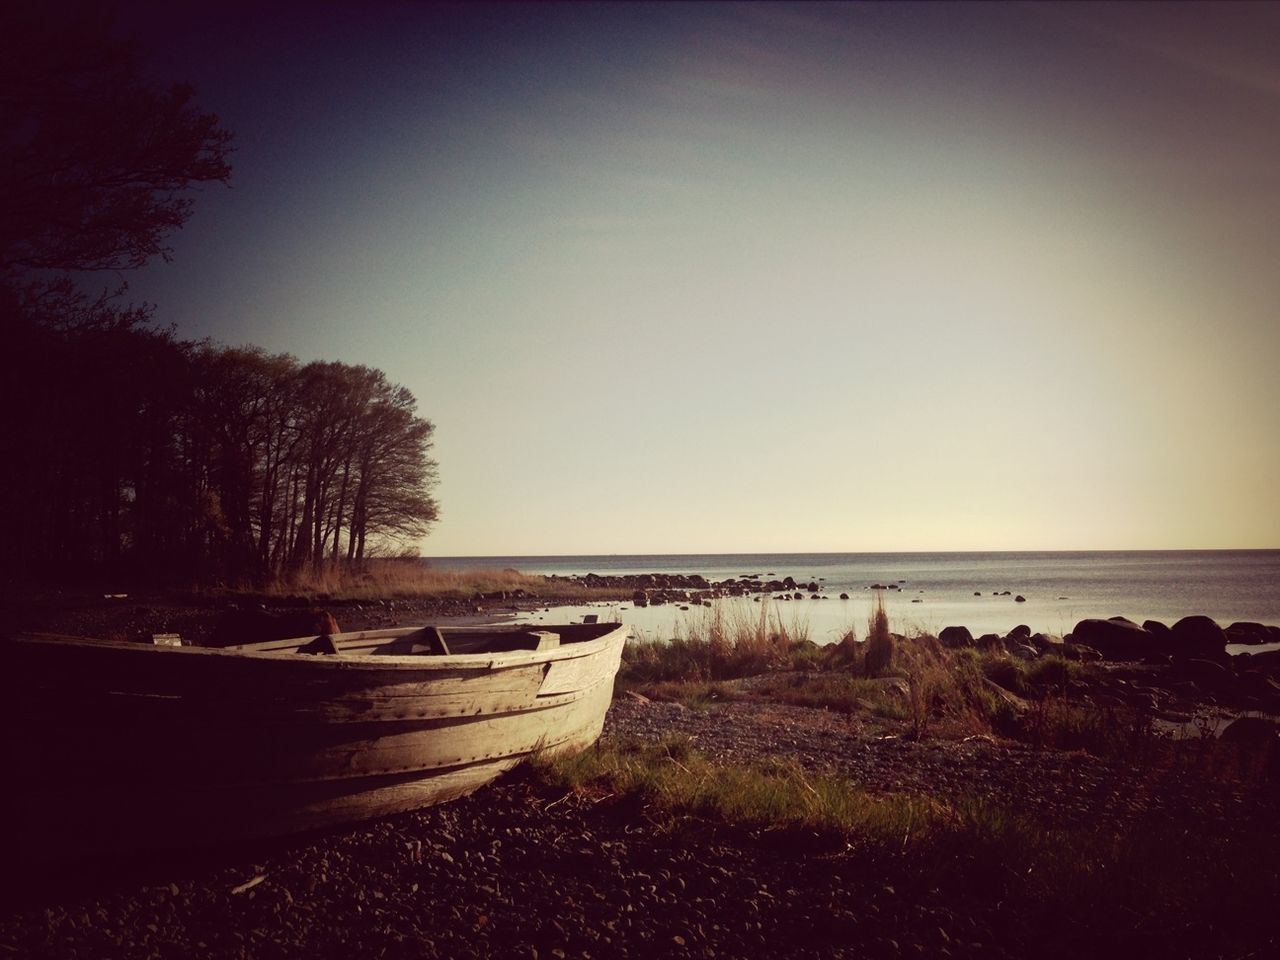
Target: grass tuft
column 717, row 645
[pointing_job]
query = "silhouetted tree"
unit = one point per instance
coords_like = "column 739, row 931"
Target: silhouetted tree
column 95, row 162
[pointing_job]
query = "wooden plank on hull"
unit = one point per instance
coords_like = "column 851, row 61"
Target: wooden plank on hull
column 580, row 672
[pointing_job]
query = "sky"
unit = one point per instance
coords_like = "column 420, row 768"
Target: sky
column 766, row 277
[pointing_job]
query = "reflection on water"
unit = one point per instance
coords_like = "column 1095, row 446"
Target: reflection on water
column 941, row 589
column 825, row 621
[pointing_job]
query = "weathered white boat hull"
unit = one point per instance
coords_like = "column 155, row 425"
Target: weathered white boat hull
column 128, row 747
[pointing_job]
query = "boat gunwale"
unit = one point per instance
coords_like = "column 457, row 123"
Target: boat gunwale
column 357, row 662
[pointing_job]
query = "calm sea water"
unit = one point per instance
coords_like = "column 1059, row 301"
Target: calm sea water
column 1060, row 587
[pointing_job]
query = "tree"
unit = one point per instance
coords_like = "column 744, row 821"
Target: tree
column 125, row 448
column 96, row 168
column 95, row 162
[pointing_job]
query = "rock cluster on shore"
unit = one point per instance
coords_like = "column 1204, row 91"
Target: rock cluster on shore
column 1189, row 658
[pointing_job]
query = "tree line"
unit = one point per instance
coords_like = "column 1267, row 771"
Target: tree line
column 125, row 448
column 144, row 453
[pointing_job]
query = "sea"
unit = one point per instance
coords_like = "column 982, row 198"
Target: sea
column 935, row 590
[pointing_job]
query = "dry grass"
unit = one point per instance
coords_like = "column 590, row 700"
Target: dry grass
column 410, row 577
column 717, row 645
column 674, row 779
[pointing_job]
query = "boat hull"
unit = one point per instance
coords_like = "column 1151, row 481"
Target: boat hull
column 130, row 747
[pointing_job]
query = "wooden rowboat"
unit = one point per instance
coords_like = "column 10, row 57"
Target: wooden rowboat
column 127, row 746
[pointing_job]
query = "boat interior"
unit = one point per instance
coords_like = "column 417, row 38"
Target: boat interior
column 430, row 641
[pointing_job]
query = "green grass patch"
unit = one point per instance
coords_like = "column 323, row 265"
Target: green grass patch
column 676, row 781
column 698, row 694
column 840, row 692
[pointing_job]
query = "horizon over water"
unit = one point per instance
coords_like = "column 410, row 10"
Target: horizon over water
column 1061, row 587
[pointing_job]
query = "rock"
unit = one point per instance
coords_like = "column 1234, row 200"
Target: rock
column 640, row 598
column 895, row 685
column 844, row 596
column 813, row 587
column 956, row 637
column 1207, row 675
column 1020, row 632
column 1024, row 652
column 1253, row 731
column 977, row 593
column 1267, row 662
column 1197, row 637
column 1158, row 630
column 1080, row 651
column 1115, row 639
column 1017, row 703
column 1019, row 599
column 1254, row 683
column 1047, row 643
column 990, row 641
column 1246, row 632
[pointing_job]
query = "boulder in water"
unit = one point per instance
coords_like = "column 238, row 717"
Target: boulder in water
column 1246, row 632
column 1198, row 637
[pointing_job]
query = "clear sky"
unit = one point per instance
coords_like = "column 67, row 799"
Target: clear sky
column 767, row 277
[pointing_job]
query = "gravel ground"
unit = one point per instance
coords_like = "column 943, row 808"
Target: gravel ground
column 506, row 873
column 514, row 872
